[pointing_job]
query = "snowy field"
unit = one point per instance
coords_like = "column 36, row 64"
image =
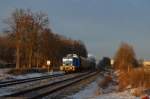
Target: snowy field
column 90, row 92
column 4, row 76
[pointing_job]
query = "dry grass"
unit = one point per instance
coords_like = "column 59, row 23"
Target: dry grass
column 104, row 83
column 137, row 91
column 140, row 77
column 123, row 80
column 98, row 91
column 136, row 77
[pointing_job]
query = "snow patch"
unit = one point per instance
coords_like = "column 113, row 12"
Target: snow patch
column 88, row 93
column 92, row 91
column 6, row 77
column 3, row 73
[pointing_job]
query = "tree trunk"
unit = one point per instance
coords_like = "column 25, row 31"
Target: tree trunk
column 37, row 60
column 30, row 58
column 17, row 57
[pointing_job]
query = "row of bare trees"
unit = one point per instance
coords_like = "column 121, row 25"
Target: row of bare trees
column 30, row 42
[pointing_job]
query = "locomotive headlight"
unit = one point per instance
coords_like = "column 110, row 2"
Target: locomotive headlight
column 70, row 59
column 64, row 59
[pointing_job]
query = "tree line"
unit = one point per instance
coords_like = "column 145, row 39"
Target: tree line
column 28, row 41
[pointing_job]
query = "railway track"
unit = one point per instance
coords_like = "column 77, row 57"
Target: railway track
column 43, row 90
column 20, row 81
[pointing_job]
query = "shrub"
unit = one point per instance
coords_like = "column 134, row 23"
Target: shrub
column 137, row 91
column 123, row 80
column 125, row 57
column 136, row 77
column 139, row 77
column 104, row 83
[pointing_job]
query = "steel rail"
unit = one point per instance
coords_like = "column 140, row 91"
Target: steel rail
column 19, row 81
column 41, row 91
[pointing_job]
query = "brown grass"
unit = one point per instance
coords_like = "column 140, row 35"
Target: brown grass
column 136, row 77
column 139, row 77
column 123, row 80
column 104, row 83
column 137, row 91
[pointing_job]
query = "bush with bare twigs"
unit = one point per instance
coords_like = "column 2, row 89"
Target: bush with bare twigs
column 104, row 83
column 131, row 73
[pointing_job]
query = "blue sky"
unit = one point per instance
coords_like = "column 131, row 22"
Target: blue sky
column 101, row 24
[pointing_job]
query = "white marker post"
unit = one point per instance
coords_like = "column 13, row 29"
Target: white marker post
column 48, row 64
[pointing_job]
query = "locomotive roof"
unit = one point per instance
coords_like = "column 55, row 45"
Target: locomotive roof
column 72, row 55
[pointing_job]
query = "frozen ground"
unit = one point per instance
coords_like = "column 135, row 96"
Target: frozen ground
column 4, row 76
column 32, row 75
column 91, row 93
column 16, row 88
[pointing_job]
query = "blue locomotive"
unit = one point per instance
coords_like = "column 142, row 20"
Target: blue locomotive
column 73, row 62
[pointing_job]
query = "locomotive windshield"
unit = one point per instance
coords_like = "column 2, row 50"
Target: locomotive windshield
column 67, row 61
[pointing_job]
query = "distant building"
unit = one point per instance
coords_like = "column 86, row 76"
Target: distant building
column 112, row 62
column 146, row 63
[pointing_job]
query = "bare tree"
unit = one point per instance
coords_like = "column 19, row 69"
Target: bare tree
column 125, row 57
column 14, row 23
column 25, row 26
column 35, row 42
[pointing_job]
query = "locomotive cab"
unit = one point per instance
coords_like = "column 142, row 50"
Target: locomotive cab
column 70, row 63
column 73, row 62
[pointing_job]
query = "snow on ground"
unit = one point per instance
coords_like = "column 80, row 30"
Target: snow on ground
column 90, row 92
column 32, row 75
column 3, row 73
column 120, row 95
column 12, row 89
column 4, row 76
column 7, row 91
column 87, row 93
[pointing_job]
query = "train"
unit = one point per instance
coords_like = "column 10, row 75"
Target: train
column 74, row 62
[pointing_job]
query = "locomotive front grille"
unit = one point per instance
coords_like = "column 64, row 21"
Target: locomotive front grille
column 67, row 68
